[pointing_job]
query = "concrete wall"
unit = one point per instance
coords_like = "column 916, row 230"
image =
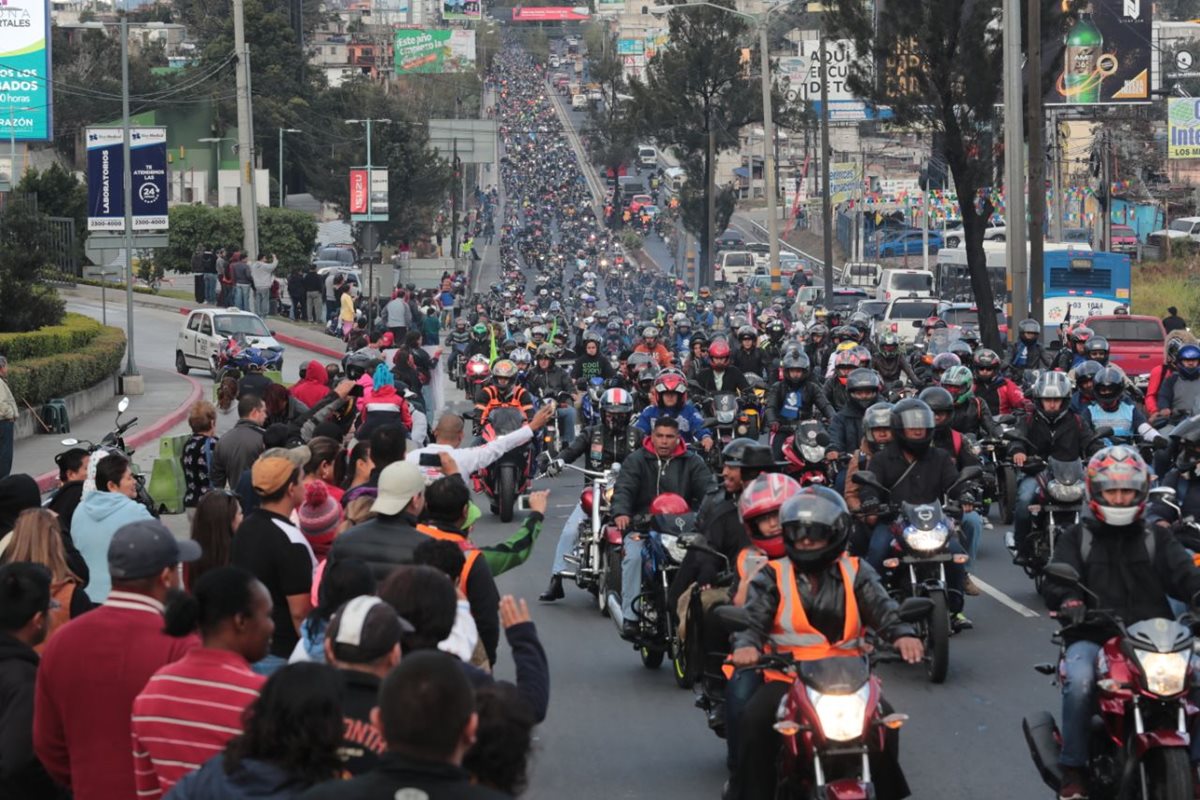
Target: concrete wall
column 79, row 405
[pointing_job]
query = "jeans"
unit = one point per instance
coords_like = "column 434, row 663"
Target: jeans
column 313, row 305
column 241, row 296
column 567, row 539
column 7, row 439
column 1027, row 491
column 262, row 301
column 738, row 691
column 631, row 574
column 210, row 288
column 331, row 309
column 972, row 530
column 269, row 665
column 956, row 574
column 566, row 422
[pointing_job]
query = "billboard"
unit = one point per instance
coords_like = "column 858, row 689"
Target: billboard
column 457, row 10
column 436, row 50
column 106, row 181
column 630, row 47
column 1106, row 58
column 148, row 173
column 359, row 192
column 25, row 101
column 610, row 5
column 551, row 14
column 805, row 75
column 845, row 181
column 1183, row 127
column 369, row 195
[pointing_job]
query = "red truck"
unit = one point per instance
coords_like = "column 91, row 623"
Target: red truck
column 1135, row 342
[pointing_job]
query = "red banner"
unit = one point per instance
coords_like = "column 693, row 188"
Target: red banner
column 551, row 14
column 359, row 193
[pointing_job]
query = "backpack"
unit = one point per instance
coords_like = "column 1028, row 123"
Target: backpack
column 1085, row 543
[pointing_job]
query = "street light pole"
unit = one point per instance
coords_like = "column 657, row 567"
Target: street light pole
column 769, row 157
column 1014, row 166
column 130, row 363
column 245, row 119
column 826, row 203
column 282, row 194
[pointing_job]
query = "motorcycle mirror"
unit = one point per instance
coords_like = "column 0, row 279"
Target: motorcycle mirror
column 867, row 478
column 123, row 405
column 1061, row 571
column 915, row 609
column 69, row 442
column 970, row 474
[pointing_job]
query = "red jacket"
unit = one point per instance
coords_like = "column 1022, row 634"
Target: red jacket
column 91, row 671
column 1011, row 397
column 315, row 385
column 1157, row 376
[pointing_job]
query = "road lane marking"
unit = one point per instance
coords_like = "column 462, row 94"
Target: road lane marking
column 996, row 594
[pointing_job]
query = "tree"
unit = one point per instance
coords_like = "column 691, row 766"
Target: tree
column 28, row 301
column 286, row 233
column 695, row 88
column 611, row 134
column 59, row 194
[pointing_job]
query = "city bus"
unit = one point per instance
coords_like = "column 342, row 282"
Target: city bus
column 953, row 281
column 1081, row 284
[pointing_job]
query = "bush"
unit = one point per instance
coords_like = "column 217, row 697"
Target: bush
column 74, row 334
column 1157, row 285
column 288, row 234
column 36, row 380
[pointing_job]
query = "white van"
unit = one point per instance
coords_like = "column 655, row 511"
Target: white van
column 733, row 265
column 902, row 313
column 861, row 274
column 895, row 283
column 647, row 156
column 579, row 102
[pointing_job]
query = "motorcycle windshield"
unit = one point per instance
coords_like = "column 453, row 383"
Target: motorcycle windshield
column 923, row 517
column 726, row 403
column 1159, row 635
column 835, row 675
column 1066, row 472
column 505, row 419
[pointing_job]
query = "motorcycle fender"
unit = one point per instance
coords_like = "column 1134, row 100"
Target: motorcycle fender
column 613, row 535
column 848, row 789
column 1044, row 741
column 1156, row 740
column 931, row 585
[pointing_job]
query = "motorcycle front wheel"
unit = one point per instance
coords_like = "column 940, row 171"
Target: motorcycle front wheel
column 1168, row 774
column 506, row 494
column 1006, row 487
column 937, row 639
column 652, row 658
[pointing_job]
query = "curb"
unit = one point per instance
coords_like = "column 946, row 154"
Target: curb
column 312, row 347
column 48, row 481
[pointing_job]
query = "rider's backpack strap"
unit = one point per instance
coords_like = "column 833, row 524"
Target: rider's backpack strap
column 1085, row 543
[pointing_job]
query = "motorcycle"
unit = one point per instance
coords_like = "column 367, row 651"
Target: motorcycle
column 508, row 477
column 597, row 570
column 833, row 717
column 589, row 405
column 114, row 442
column 749, row 420
column 1141, row 728
column 475, row 375
column 805, row 451
column 236, row 356
column 922, row 535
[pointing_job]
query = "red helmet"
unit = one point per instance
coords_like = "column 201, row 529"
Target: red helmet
column 766, row 494
column 669, row 503
column 671, row 381
column 718, row 349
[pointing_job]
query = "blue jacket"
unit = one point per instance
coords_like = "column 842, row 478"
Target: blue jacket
column 845, row 432
column 691, row 424
column 252, row 779
column 96, row 520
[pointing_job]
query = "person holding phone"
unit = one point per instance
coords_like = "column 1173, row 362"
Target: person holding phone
column 448, row 436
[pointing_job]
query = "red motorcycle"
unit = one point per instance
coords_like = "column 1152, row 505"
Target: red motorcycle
column 804, row 453
column 475, row 375
column 1140, row 734
column 509, row 477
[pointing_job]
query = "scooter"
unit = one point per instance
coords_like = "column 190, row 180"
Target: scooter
column 114, row 442
column 1141, row 729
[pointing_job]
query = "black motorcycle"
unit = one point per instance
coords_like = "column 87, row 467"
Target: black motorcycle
column 114, row 442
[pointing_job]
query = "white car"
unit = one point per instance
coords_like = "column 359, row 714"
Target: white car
column 992, row 232
column 901, row 315
column 1181, row 230
column 206, row 329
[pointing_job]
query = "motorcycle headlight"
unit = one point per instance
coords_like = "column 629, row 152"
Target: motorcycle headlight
column 812, row 453
column 725, row 417
column 674, row 547
column 1065, row 492
column 842, row 716
column 926, row 540
column 1165, row 673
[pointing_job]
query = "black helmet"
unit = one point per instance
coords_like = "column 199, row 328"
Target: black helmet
column 912, row 414
column 817, row 514
column 863, row 380
column 963, row 350
column 878, row 416
column 1087, row 371
column 986, row 358
column 938, row 400
column 793, row 360
column 733, row 453
column 1097, row 349
column 1109, row 387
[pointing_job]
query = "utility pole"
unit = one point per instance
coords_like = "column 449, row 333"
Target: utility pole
column 1055, row 179
column 1037, row 161
column 1014, row 166
column 245, row 118
column 1105, row 193
column 282, row 193
column 710, row 244
column 826, row 205
column 769, row 156
column 131, row 369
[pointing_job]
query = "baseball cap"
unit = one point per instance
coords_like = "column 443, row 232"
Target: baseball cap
column 299, row 455
column 144, row 548
column 271, row 473
column 364, row 629
column 399, row 483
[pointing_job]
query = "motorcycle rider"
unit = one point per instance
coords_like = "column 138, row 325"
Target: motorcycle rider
column 1001, row 394
column 749, row 358
column 604, row 445
column 834, row 389
column 816, row 348
column 697, row 360
column 877, row 431
column 1076, row 353
column 590, row 363
column 1181, row 391
column 1112, row 408
column 971, row 414
column 891, row 364
column 548, row 380
column 481, row 342
column 915, row 472
column 502, row 389
column 720, row 375
column 1085, row 384
column 833, row 597
column 650, row 344
column 792, row 399
column 1175, row 342
column 662, row 465
column 1183, row 477
column 669, row 399
column 1132, row 569
column 846, row 430
column 1027, row 352
column 1053, row 431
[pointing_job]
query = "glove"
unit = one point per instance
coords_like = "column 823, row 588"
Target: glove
column 1072, row 612
column 554, row 467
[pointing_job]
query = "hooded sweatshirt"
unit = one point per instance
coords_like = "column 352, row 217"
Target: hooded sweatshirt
column 22, row 776
column 96, row 520
column 314, row 386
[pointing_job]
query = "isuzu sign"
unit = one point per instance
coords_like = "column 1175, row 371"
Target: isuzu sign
column 359, row 192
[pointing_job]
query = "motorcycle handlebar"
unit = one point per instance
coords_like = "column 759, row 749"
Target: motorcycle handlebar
column 127, row 425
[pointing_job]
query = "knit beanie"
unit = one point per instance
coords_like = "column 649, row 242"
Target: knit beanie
column 319, row 515
column 382, row 377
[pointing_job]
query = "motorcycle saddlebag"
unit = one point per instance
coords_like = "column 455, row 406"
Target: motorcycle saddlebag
column 1041, row 734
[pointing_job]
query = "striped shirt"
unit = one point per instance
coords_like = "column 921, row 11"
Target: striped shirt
column 186, row 714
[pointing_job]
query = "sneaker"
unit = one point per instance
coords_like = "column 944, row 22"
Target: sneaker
column 987, row 525
column 1073, row 786
column 959, row 622
column 970, row 588
column 629, row 630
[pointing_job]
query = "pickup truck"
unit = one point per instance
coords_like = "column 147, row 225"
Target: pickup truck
column 1135, row 343
column 1183, row 234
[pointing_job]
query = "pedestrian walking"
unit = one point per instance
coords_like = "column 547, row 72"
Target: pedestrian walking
column 1174, row 322
column 8, row 421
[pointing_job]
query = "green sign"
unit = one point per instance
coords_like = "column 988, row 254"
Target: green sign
column 434, row 51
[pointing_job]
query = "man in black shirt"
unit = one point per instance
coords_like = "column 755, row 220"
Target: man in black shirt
column 276, row 552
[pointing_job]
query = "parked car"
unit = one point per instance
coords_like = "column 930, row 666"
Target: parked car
column 1181, row 233
column 953, row 232
column 1124, row 239
column 909, row 242
column 205, row 331
column 335, row 255
column 1135, row 342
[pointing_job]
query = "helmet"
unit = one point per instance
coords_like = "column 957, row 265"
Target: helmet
column 938, row 399
column 960, row 383
column 616, row 407
column 912, row 414
column 504, row 370
column 1187, row 435
column 864, row 380
column 591, row 336
column 818, row 331
column 986, row 359
column 669, row 503
column 943, row 362
column 819, row 515
column 876, row 417
column 479, row 331
column 539, row 330
column 650, row 332
column 733, row 453
column 844, row 333
column 889, row 344
column 718, row 349
column 359, row 364
column 963, row 350
column 1097, row 349
column 1051, row 386
column 671, row 382
column 969, row 335
column 932, row 323
column 794, row 360
column 1080, row 335
column 638, row 362
column 1029, row 329
column 776, row 329
column 1109, row 387
column 862, row 355
column 765, row 495
column 1174, row 345
column 747, row 332
column 1117, row 467
column 860, row 322
column 647, row 377
column 1087, row 372
column 1188, row 352
column 546, row 351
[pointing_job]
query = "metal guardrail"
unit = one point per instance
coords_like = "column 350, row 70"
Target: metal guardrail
column 761, row 230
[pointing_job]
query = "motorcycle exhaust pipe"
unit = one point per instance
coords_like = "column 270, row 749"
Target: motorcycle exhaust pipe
column 615, row 613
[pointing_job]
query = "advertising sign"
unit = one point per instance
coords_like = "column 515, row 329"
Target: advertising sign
column 368, row 195
column 456, row 10
column 105, row 183
column 359, row 193
column 630, row 47
column 551, row 14
column 379, row 195
column 25, row 101
column 1183, row 127
column 610, row 5
column 148, row 171
column 1107, row 56
column 805, row 75
column 434, row 51
column 845, row 181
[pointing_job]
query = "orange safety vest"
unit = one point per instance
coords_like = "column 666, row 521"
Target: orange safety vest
column 471, row 552
column 793, row 633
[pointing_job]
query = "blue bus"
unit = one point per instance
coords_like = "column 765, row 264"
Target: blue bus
column 1081, row 284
